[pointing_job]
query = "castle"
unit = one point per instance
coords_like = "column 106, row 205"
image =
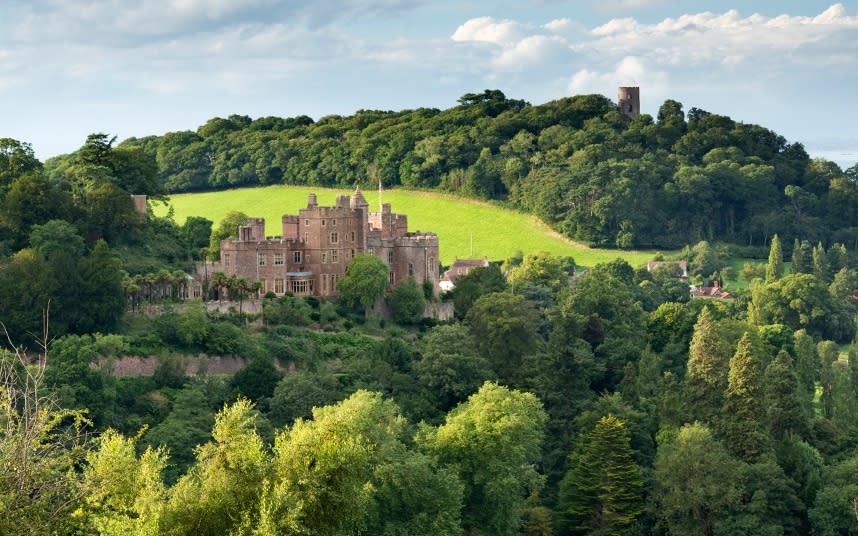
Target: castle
column 315, row 247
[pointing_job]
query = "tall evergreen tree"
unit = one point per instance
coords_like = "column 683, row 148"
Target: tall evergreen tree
column 820, row 264
column 786, row 415
column 706, row 378
column 603, row 490
column 775, row 267
column 743, row 403
column 828, row 353
column 806, row 366
column 801, row 257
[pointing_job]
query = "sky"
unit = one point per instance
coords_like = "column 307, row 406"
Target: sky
column 69, row 68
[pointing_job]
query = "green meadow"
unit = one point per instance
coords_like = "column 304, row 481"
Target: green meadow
column 466, row 228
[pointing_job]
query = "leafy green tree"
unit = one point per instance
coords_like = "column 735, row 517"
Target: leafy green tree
column 478, row 282
column 41, row 446
column 407, row 301
column 503, row 327
column 695, row 482
column 602, row 491
column 743, row 403
column 364, row 281
column 450, row 365
column 820, row 264
column 807, row 366
column 226, row 228
column 492, row 441
column 122, row 494
column 297, row 393
column 540, row 268
column 225, row 483
column 833, row 511
column 16, row 159
column 323, row 468
column 257, row 380
column 775, row 266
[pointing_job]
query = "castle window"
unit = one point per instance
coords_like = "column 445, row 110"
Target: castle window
column 371, row 251
column 307, row 222
column 410, row 269
column 324, row 258
column 300, row 286
column 324, row 282
column 390, row 277
column 306, row 237
column 333, row 255
column 390, row 257
column 278, row 286
column 296, row 257
column 323, row 222
column 226, row 259
column 429, row 269
column 334, row 222
column 352, row 256
column 335, row 237
column 260, row 258
column 353, row 236
column 278, row 259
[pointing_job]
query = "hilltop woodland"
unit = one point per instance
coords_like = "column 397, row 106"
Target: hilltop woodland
column 578, row 163
column 605, row 402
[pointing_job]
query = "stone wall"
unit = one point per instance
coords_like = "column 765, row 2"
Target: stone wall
column 133, row 365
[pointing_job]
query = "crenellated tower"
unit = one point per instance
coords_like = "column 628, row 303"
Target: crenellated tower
column 629, row 100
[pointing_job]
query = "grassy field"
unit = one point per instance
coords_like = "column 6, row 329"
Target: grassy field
column 465, row 228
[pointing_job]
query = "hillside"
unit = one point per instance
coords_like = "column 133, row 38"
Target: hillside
column 466, row 228
column 592, row 173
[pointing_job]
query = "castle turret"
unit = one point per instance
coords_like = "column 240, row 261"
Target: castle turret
column 629, row 100
column 358, row 201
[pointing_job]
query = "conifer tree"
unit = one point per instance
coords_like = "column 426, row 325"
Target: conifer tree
column 820, row 263
column 775, row 267
column 743, row 403
column 706, row 378
column 828, row 353
column 801, row 257
column 786, row 415
column 603, row 490
column 806, row 366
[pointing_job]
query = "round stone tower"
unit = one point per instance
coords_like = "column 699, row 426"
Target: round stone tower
column 629, row 100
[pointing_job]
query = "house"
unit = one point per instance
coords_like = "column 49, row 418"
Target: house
column 315, row 246
column 459, row 269
column 715, row 291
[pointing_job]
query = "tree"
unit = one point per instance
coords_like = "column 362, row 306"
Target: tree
column 226, row 228
column 123, row 494
column 802, row 261
column 602, row 491
column 706, row 379
column 478, row 282
column 323, row 467
column 41, row 446
column 492, row 442
column 450, row 365
column 786, row 414
column 503, row 326
column 540, row 268
column 743, row 403
column 225, row 484
column 695, row 482
column 775, row 266
column 364, row 281
column 407, row 301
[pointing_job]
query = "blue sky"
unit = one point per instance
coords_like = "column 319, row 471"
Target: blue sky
column 72, row 67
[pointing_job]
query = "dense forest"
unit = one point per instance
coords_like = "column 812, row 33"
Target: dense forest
column 594, row 174
column 558, row 400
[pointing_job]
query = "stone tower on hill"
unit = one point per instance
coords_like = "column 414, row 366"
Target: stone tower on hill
column 629, row 100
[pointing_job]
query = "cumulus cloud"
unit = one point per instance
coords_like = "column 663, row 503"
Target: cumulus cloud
column 489, row 30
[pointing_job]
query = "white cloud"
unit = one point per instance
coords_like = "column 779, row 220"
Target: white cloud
column 629, row 71
column 534, row 50
column 488, row 30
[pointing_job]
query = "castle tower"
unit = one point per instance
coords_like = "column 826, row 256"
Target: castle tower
column 629, row 100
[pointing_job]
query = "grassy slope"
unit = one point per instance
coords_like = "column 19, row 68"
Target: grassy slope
column 496, row 233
